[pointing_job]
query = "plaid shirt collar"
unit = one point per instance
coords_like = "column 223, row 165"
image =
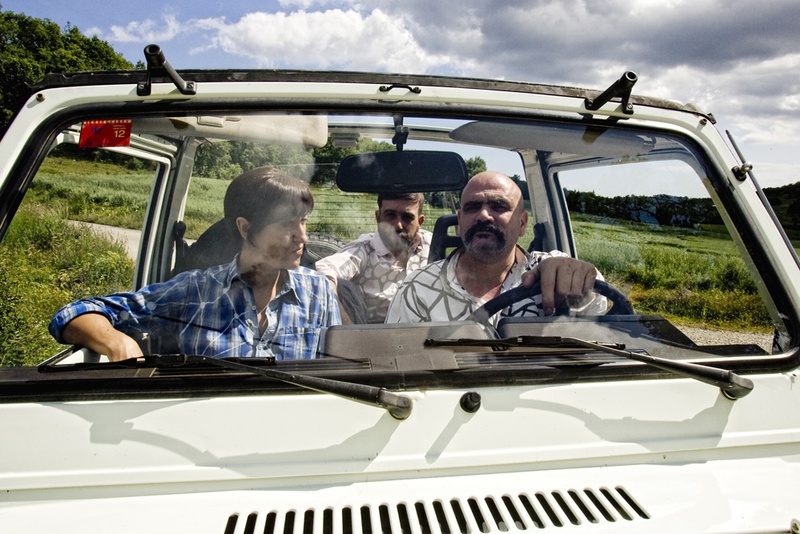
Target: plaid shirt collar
column 286, row 284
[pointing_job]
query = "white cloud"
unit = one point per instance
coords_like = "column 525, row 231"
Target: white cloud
column 766, row 92
column 324, row 39
column 146, row 31
column 309, row 4
column 742, row 65
column 645, row 7
column 94, row 30
column 790, row 102
column 757, row 101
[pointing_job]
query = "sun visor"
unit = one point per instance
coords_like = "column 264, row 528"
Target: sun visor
column 565, row 138
column 304, row 130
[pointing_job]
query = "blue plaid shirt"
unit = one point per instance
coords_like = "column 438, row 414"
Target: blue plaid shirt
column 213, row 313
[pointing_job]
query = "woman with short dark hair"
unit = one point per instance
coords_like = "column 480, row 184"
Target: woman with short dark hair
column 259, row 305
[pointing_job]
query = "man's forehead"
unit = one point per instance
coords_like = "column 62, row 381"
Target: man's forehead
column 490, row 186
column 399, row 205
column 487, row 194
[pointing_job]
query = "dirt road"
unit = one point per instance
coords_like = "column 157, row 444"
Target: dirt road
column 129, row 238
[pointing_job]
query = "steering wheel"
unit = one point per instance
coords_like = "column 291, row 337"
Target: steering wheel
column 621, row 304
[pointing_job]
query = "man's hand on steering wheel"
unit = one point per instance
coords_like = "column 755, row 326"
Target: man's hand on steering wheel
column 565, row 282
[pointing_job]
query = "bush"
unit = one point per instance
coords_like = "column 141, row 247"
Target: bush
column 707, row 284
column 668, row 268
column 712, row 307
column 45, row 263
column 117, row 199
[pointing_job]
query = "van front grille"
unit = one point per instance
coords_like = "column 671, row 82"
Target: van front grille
column 472, row 515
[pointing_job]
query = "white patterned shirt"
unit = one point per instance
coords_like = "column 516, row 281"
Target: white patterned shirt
column 373, row 269
column 433, row 293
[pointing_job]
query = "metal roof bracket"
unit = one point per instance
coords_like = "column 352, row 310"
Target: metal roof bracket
column 621, row 88
column 155, row 61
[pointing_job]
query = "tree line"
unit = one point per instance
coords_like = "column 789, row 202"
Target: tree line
column 31, row 47
column 666, row 210
column 785, row 201
column 683, row 212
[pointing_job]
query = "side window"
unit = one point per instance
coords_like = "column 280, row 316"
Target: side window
column 652, row 229
column 75, row 235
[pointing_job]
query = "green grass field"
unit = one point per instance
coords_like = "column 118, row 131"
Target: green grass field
column 111, row 195
column 690, row 276
column 45, row 263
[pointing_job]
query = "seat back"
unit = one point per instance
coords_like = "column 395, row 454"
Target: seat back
column 537, row 243
column 442, row 239
column 215, row 246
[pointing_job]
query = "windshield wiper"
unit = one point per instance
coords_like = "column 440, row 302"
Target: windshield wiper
column 517, row 341
column 732, row 385
column 399, row 406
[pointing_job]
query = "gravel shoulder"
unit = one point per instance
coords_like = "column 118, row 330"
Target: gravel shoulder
column 703, row 336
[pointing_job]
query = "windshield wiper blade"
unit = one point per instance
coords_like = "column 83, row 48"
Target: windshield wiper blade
column 399, row 406
column 732, row 385
column 516, row 341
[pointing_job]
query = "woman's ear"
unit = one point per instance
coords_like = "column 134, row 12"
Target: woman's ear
column 243, row 226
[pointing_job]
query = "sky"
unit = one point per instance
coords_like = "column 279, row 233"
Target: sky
column 739, row 62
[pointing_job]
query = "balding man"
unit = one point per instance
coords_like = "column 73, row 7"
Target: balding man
column 491, row 219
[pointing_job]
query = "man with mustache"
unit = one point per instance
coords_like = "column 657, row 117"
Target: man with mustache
column 375, row 264
column 491, row 219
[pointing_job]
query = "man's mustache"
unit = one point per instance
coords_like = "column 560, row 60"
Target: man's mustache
column 484, row 226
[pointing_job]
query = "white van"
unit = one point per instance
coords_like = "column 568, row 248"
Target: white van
column 675, row 410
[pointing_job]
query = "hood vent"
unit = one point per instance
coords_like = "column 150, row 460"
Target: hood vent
column 485, row 515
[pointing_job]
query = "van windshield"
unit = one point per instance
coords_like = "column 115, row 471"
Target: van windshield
column 330, row 253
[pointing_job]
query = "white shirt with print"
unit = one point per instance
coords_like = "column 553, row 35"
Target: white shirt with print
column 373, row 269
column 433, row 293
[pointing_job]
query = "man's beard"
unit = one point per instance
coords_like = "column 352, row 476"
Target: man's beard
column 394, row 240
column 486, row 251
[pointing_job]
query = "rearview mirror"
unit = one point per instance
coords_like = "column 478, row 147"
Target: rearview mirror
column 406, row 171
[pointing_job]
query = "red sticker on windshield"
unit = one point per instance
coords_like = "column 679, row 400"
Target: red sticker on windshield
column 101, row 134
